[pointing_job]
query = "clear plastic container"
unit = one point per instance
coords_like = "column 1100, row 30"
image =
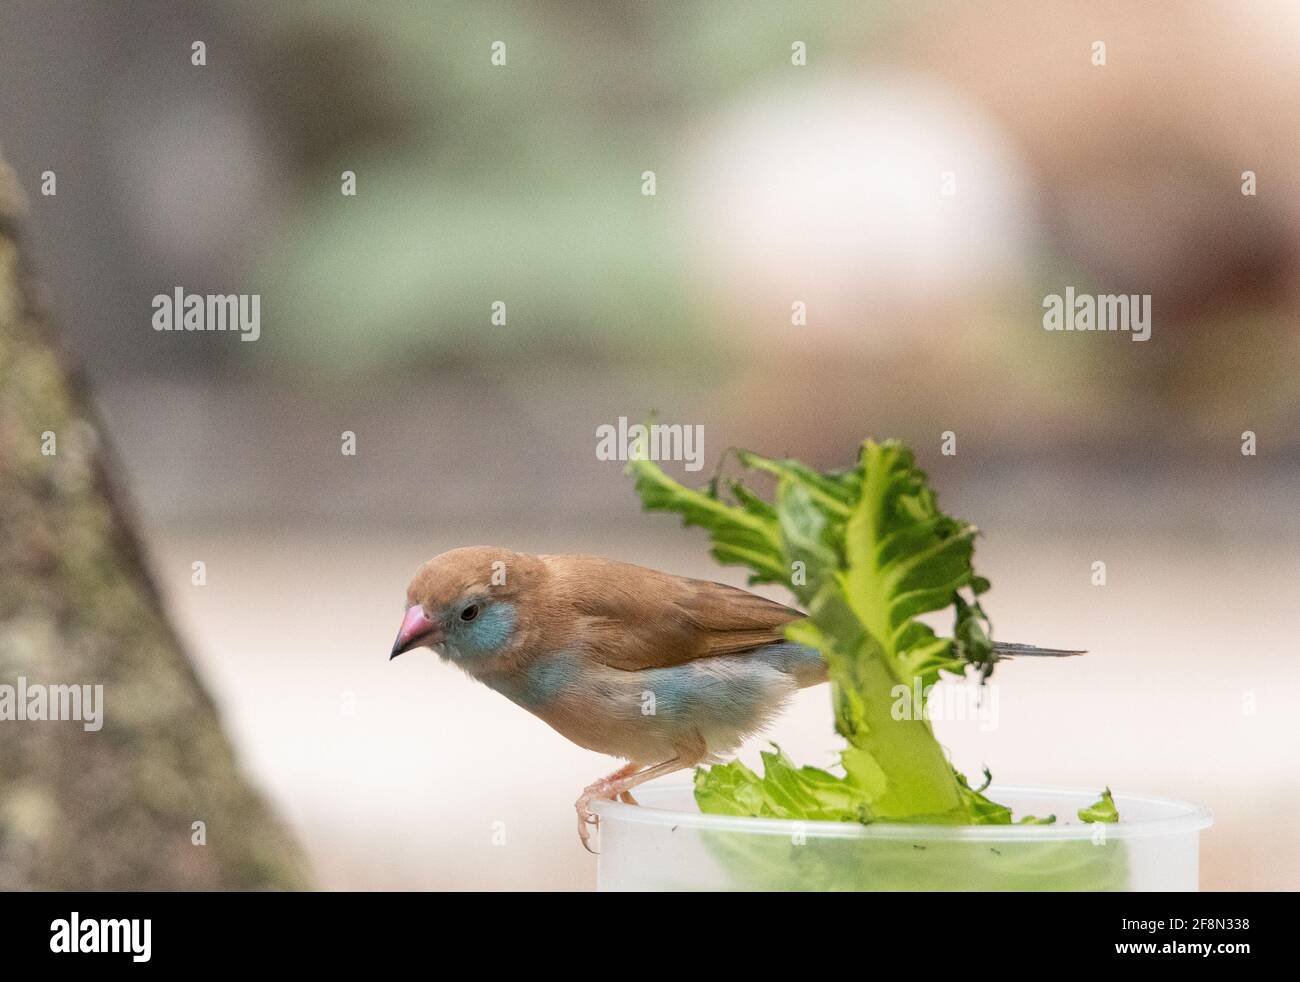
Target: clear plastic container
column 666, row 844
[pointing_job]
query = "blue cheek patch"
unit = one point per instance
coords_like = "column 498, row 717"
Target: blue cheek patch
column 490, row 632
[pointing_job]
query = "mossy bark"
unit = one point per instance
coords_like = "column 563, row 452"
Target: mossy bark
column 113, row 808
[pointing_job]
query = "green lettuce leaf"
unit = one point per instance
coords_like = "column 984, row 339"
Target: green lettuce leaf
column 743, row 535
column 1102, row 810
column 783, row 791
column 867, row 552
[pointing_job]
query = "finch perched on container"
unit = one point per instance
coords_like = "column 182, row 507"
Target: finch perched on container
column 663, row 671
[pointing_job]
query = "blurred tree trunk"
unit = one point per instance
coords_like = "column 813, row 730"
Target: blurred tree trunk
column 113, row 808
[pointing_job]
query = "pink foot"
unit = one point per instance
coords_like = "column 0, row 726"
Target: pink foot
column 609, row 788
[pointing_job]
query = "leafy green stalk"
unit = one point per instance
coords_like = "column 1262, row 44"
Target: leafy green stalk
column 867, row 552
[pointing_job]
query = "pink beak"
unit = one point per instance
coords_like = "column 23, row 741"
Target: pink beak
column 416, row 630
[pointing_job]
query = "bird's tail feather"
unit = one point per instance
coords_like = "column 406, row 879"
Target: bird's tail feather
column 1011, row 650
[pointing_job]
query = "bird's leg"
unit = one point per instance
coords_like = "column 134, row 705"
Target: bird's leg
column 598, row 789
column 619, row 785
column 623, row 785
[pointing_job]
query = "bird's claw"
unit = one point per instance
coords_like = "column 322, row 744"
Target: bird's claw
column 586, row 821
column 616, row 787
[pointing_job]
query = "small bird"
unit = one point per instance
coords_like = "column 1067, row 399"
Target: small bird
column 663, row 671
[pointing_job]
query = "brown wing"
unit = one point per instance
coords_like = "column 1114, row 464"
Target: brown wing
column 634, row 618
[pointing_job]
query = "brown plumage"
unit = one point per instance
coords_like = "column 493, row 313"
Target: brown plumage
column 641, row 618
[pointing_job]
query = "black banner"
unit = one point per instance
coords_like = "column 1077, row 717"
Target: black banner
column 144, row 932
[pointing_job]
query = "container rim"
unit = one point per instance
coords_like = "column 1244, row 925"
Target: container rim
column 1183, row 817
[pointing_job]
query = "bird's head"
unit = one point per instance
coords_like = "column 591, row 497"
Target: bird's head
column 465, row 603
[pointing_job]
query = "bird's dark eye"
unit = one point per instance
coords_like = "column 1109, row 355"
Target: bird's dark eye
column 469, row 613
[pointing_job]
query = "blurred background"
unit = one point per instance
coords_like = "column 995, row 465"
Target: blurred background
column 775, row 183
